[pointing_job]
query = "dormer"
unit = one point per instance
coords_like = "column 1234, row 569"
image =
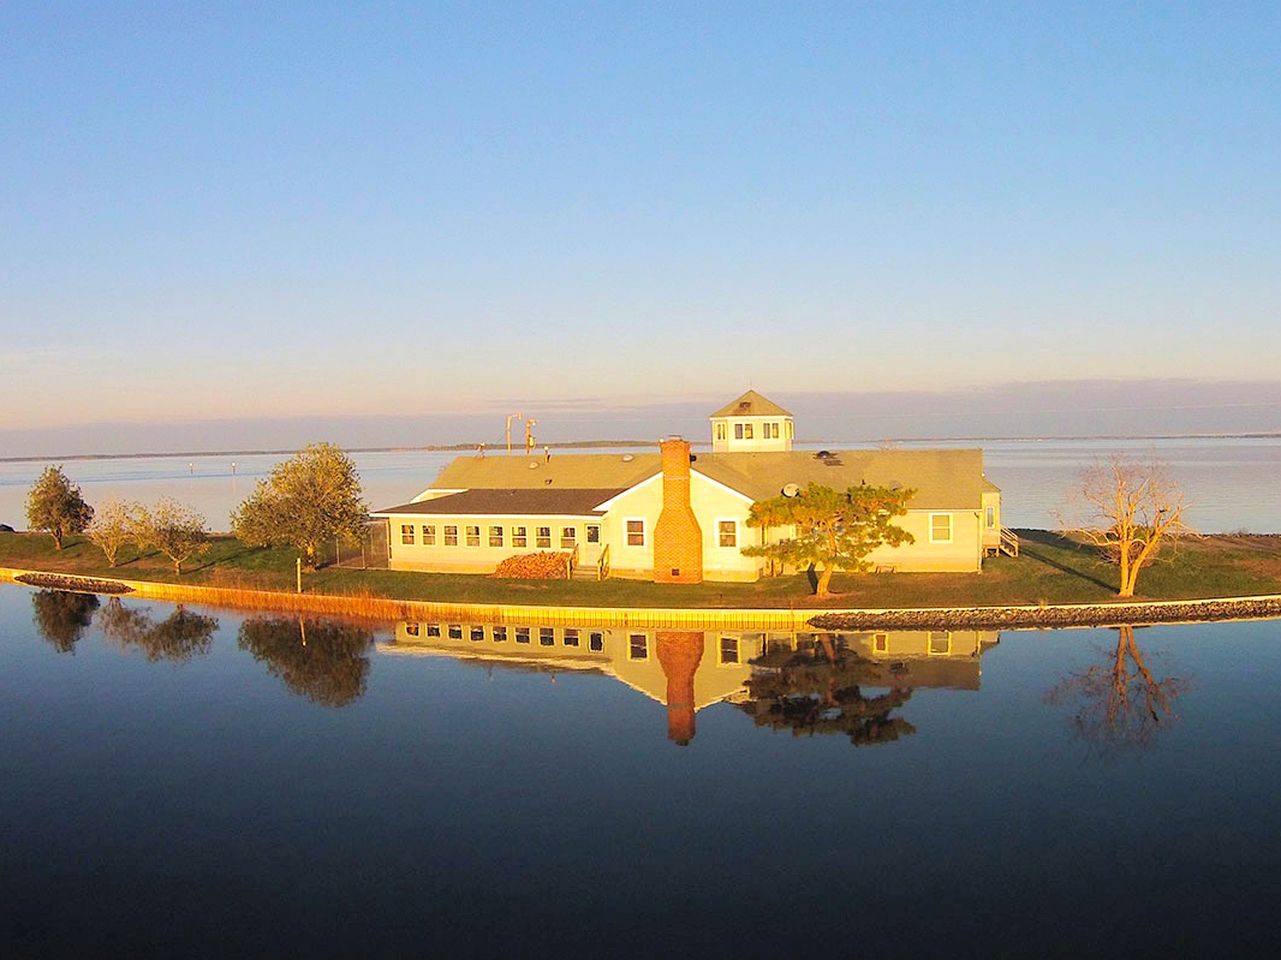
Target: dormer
column 749, row 424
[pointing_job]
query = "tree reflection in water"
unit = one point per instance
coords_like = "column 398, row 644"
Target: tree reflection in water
column 321, row 660
column 178, row 638
column 1120, row 704
column 61, row 616
column 818, row 689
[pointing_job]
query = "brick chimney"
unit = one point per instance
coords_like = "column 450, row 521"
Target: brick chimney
column 679, row 652
column 678, row 541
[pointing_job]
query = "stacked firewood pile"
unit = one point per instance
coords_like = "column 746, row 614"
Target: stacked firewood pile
column 535, row 566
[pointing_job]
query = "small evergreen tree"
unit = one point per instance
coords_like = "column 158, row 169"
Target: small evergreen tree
column 56, row 506
column 832, row 529
column 307, row 501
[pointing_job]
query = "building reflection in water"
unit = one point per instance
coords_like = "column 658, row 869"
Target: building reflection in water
column 807, row 682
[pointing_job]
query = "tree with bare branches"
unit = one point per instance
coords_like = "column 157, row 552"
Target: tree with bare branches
column 173, row 528
column 1120, row 704
column 1130, row 509
column 114, row 525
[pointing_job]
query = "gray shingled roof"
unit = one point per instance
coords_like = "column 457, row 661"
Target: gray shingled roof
column 943, row 479
column 518, row 503
column 751, row 404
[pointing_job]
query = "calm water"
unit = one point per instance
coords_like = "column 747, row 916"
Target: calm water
column 199, row 782
column 1233, row 484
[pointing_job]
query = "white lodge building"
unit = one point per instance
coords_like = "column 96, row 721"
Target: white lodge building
column 677, row 516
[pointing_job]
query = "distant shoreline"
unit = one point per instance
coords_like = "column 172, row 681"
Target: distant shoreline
column 500, row 450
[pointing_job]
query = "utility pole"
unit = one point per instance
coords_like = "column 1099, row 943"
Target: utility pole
column 510, row 418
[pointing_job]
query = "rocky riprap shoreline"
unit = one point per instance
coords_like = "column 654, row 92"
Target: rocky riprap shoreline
column 57, row 581
column 1074, row 615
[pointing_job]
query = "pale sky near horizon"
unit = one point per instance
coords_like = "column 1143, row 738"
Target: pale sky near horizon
column 245, row 211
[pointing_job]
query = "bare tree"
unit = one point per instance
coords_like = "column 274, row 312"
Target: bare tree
column 1120, row 704
column 1129, row 509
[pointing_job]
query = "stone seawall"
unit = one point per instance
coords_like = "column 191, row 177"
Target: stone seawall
column 1061, row 615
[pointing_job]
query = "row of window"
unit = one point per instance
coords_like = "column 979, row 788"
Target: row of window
column 496, row 535
column 938, row 643
column 499, row 633
column 746, row 431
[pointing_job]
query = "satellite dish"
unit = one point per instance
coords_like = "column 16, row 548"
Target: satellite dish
column 792, row 490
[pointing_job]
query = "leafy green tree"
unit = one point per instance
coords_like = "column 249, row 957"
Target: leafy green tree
column 308, row 500
column 322, row 660
column 832, row 529
column 114, row 525
column 56, row 506
column 62, row 616
column 173, row 528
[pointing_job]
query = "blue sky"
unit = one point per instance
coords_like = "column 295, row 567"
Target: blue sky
column 270, row 210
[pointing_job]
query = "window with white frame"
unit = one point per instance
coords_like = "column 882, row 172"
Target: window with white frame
column 478, row 632
column 495, row 536
column 881, row 643
column 593, row 533
column 433, row 629
column 522, row 634
column 596, row 641
column 455, row 631
column 638, row 647
column 720, row 431
column 940, row 528
column 747, row 431
column 407, row 533
column 429, row 534
column 411, row 629
column 636, row 533
column 473, row 536
column 451, row 535
column 543, row 538
column 520, row 537
column 991, row 517
column 729, row 649
column 738, row 431
column 940, row 642
column 569, row 637
column 500, row 634
column 727, row 533
column 546, row 637
column 568, row 538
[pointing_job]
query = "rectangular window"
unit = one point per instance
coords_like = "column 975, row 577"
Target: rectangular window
column 478, row 632
column 473, row 536
column 881, row 643
column 546, row 637
column 411, row 629
column 727, row 533
column 407, row 533
column 720, row 431
column 568, row 538
column 729, row 649
column 738, row 431
column 940, row 528
column 520, row 537
column 593, row 533
column 495, row 536
column 774, row 429
column 638, row 647
column 636, row 533
column 455, row 631
column 595, row 641
column 451, row 535
column 747, row 431
column 543, row 538
column 570, row 638
column 789, row 430
column 991, row 517
column 522, row 634
column 500, row 634
column 429, row 535
column 433, row 629
column 940, row 643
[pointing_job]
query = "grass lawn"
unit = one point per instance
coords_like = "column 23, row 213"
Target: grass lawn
column 1051, row 569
